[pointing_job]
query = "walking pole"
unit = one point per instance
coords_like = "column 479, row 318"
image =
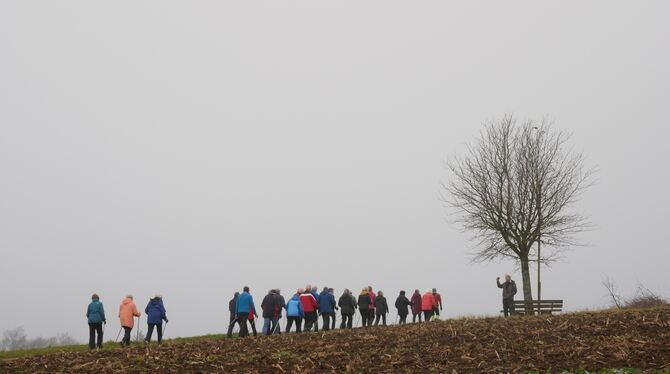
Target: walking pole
column 276, row 327
column 119, row 334
column 165, row 329
column 138, row 329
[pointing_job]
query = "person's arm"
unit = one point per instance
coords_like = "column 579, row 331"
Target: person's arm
column 513, row 288
column 498, row 282
column 440, row 302
column 136, row 313
column 146, row 310
column 253, row 307
column 88, row 311
column 163, row 312
column 301, row 310
column 102, row 313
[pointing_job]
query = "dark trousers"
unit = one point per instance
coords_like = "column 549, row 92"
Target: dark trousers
column 333, row 316
column 326, row 320
column 427, row 314
column 315, row 322
column 253, row 327
column 231, row 325
column 94, row 328
column 126, row 336
column 347, row 321
column 436, row 311
column 242, row 321
column 508, row 307
column 365, row 316
column 383, row 317
column 290, row 321
column 159, row 332
column 371, row 316
column 402, row 319
column 311, row 319
column 414, row 315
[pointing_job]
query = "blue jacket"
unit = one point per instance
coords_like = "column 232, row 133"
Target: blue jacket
column 326, row 302
column 155, row 311
column 294, row 307
column 95, row 312
column 244, row 302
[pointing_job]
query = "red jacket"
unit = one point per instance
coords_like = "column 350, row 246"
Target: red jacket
column 428, row 301
column 372, row 300
column 309, row 303
column 416, row 303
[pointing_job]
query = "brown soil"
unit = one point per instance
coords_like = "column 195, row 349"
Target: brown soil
column 615, row 339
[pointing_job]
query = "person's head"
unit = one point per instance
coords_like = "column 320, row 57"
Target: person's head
column 346, row 291
column 308, row 287
column 429, row 291
column 236, row 294
column 246, row 289
column 277, row 291
column 325, row 289
column 271, row 292
column 365, row 290
column 402, row 293
column 379, row 293
column 416, row 291
column 508, row 277
column 301, row 291
column 434, row 291
column 157, row 296
column 370, row 288
column 95, row 296
column 314, row 288
column 331, row 290
column 129, row 296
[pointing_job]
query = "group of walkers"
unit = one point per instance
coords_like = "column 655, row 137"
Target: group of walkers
column 155, row 311
column 307, row 304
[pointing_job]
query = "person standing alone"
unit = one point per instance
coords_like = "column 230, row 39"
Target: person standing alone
column 96, row 317
column 508, row 292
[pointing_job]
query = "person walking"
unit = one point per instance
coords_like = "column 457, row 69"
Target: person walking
column 401, row 304
column 310, row 307
column 438, row 302
column 244, row 306
column 416, row 306
column 271, row 306
column 508, row 292
column 427, row 305
column 294, row 312
column 326, row 307
column 252, row 321
column 333, row 314
column 275, row 328
column 233, row 314
column 155, row 312
column 127, row 313
column 348, row 305
column 381, row 308
column 95, row 313
column 315, row 323
column 364, row 302
column 371, row 312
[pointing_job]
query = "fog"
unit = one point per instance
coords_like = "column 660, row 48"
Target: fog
column 192, row 148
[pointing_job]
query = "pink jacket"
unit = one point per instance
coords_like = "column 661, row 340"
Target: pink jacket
column 128, row 310
column 428, row 301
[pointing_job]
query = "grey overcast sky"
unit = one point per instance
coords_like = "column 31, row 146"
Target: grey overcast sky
column 192, row 148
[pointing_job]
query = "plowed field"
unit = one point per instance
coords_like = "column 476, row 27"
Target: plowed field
column 620, row 339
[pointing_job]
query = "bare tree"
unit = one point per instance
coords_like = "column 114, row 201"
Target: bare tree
column 613, row 293
column 514, row 187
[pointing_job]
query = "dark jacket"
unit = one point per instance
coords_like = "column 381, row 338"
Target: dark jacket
column 231, row 305
column 364, row 301
column 347, row 303
column 271, row 305
column 401, row 303
column 326, row 302
column 95, row 312
column 155, row 311
column 508, row 289
column 381, row 305
column 416, row 303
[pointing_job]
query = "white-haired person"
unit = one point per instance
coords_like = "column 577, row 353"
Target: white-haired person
column 155, row 311
column 127, row 313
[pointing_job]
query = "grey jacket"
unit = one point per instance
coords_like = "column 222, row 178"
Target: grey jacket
column 509, row 289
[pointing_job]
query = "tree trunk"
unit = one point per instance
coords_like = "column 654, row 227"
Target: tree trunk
column 525, row 274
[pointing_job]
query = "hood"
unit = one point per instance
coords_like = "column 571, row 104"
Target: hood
column 155, row 302
column 127, row 301
column 296, row 298
column 364, row 292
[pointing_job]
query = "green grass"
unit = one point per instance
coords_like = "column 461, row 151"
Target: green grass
column 108, row 346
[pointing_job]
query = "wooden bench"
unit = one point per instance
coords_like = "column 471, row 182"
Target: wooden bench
column 523, row 307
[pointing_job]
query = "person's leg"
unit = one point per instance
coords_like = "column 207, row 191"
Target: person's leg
column 413, row 317
column 231, row 325
column 266, row 326
column 377, row 319
column 253, row 326
column 159, row 331
column 98, row 329
column 333, row 318
column 289, row 323
column 242, row 321
column 91, row 336
column 364, row 317
column 315, row 322
column 308, row 318
column 150, row 331
column 126, row 335
column 511, row 306
column 384, row 318
column 298, row 324
column 436, row 311
column 326, row 321
column 276, row 329
column 350, row 322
